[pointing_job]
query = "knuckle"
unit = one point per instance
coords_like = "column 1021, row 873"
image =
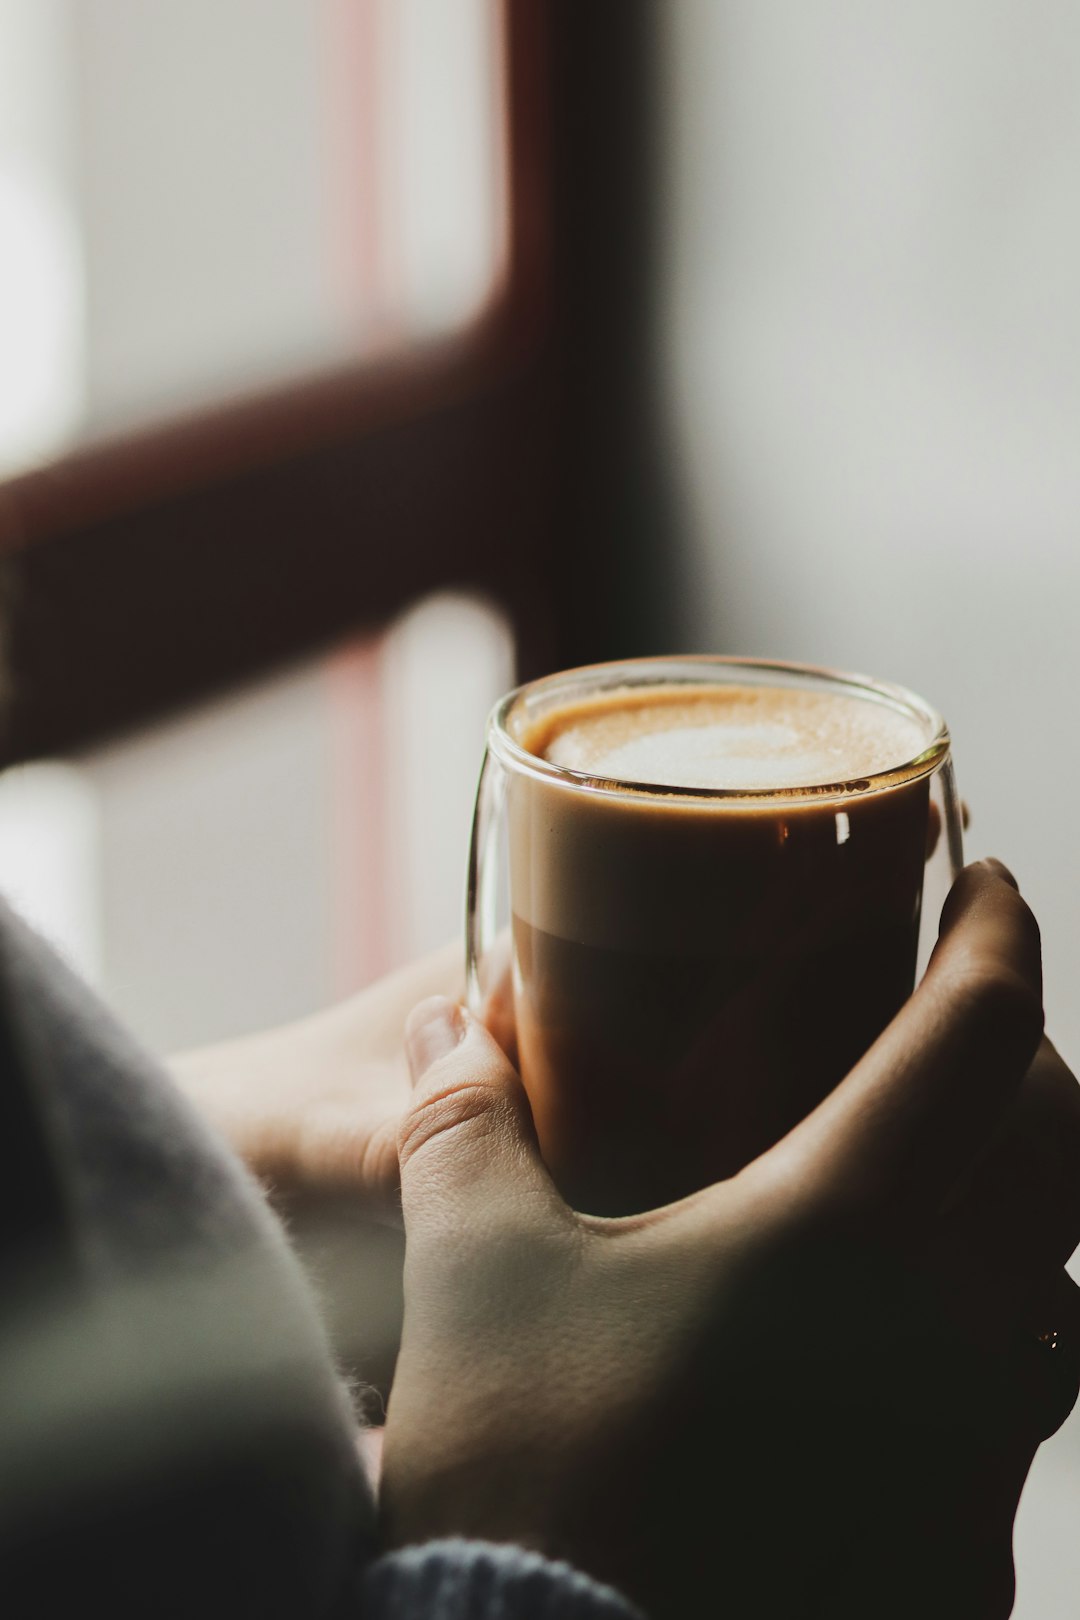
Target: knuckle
column 998, row 1003
column 460, row 1111
column 1026, row 924
column 1047, row 1117
column 1050, row 1097
column 1004, row 912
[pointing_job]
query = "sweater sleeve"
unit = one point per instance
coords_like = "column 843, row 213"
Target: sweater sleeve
column 470, row 1580
column 175, row 1439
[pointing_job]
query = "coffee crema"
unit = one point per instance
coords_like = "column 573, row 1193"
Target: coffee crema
column 740, row 738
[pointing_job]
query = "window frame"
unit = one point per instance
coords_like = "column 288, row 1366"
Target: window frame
column 518, row 458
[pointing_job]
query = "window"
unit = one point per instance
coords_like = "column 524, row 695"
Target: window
column 202, row 223
column 200, row 200
column 476, row 435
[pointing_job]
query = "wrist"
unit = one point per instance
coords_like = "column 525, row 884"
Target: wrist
column 524, row 1500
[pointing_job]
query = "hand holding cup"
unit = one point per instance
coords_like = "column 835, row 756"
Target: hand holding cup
column 811, row 1389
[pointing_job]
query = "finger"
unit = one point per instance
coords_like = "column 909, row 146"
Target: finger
column 467, row 1148
column 497, row 1013
column 1044, row 1373
column 933, row 825
column 919, row 1107
column 1018, row 1210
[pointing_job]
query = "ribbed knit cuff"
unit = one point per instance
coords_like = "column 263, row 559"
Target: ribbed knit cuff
column 470, row 1580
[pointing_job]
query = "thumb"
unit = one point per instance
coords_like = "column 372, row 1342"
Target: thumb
column 467, row 1144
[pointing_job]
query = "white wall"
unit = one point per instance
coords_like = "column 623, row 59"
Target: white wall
column 873, row 339
column 41, row 268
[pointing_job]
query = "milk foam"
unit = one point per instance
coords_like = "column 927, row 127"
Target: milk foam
column 737, row 737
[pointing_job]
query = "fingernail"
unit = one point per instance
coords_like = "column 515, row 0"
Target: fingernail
column 434, row 1028
column 1000, row 870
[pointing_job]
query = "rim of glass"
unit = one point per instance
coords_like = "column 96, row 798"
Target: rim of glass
column 645, row 672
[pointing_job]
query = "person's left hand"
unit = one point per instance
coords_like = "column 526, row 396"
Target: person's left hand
column 313, row 1108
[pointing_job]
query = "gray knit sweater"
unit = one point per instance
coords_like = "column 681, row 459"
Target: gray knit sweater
column 173, row 1438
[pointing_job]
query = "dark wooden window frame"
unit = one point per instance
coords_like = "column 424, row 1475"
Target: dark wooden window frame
column 520, row 459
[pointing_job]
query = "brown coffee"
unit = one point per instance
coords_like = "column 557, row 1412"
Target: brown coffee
column 693, row 975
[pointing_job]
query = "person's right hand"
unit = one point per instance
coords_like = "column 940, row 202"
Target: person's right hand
column 811, row 1390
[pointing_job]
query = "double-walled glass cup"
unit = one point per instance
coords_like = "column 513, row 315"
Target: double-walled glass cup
column 693, row 969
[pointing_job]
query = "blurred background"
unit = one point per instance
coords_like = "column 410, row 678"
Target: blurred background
column 359, row 356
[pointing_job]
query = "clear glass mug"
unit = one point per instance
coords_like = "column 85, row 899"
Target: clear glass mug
column 692, row 970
